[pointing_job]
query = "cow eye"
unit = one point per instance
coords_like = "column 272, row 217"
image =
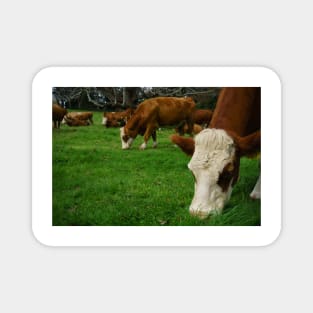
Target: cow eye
column 226, row 176
column 229, row 167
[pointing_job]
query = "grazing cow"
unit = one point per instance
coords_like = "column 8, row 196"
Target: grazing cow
column 234, row 132
column 83, row 116
column 156, row 112
column 57, row 114
column 117, row 119
column 75, row 121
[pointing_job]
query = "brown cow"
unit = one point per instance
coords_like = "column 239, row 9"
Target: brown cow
column 117, row 119
column 153, row 113
column 183, row 130
column 57, row 114
column 201, row 118
column 75, row 121
column 234, row 132
column 83, row 116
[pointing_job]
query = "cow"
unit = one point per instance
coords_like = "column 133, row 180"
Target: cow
column 234, row 132
column 83, row 116
column 57, row 114
column 153, row 113
column 183, row 130
column 75, row 121
column 117, row 119
column 202, row 117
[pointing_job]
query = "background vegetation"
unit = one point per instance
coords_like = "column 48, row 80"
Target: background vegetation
column 119, row 98
column 95, row 182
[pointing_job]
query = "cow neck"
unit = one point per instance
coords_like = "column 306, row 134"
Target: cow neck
column 233, row 110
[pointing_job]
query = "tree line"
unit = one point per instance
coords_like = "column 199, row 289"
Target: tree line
column 119, row 98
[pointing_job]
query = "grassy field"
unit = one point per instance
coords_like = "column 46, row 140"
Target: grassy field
column 95, row 182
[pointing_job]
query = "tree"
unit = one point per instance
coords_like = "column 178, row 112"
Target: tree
column 119, row 98
column 129, row 96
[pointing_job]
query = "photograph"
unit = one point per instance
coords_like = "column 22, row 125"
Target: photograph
column 156, row 156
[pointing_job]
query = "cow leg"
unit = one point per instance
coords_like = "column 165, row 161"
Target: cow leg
column 149, row 131
column 180, row 128
column 256, row 192
column 154, row 137
column 189, row 126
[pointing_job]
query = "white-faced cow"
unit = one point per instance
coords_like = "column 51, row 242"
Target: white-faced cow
column 156, row 112
column 234, row 132
column 117, row 119
column 75, row 121
column 82, row 116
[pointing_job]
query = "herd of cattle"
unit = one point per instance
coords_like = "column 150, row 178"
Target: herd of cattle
column 221, row 138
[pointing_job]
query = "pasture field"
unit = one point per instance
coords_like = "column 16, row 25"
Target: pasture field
column 97, row 183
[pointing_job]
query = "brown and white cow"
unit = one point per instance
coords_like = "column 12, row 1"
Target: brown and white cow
column 75, row 121
column 82, row 116
column 156, row 112
column 117, row 119
column 234, row 132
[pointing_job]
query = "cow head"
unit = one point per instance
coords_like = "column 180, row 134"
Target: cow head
column 116, row 119
column 215, row 167
column 126, row 138
column 109, row 120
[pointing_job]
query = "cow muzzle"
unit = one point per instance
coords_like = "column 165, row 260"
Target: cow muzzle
column 203, row 211
column 209, row 199
column 126, row 145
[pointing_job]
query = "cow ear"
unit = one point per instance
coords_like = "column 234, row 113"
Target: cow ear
column 250, row 145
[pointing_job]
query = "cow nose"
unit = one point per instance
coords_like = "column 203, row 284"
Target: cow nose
column 201, row 214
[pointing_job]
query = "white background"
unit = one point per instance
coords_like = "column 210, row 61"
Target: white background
column 156, row 236
column 36, row 34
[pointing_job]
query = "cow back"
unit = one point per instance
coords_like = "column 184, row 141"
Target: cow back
column 164, row 110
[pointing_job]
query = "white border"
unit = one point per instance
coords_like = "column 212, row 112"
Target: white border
column 145, row 235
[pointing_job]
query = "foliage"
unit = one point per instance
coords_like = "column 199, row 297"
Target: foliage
column 117, row 98
column 95, row 182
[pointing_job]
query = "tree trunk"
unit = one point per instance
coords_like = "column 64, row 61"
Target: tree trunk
column 129, row 96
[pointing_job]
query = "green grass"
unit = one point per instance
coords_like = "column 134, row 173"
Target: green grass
column 95, row 182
